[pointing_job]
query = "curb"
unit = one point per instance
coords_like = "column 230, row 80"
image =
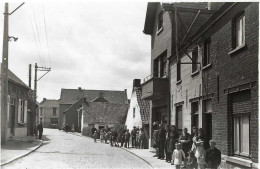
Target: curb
column 16, row 158
column 138, row 157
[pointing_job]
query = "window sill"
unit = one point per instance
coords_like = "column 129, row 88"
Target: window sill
column 159, row 31
column 207, row 66
column 240, row 161
column 237, row 49
column 195, row 73
column 178, row 82
column 21, row 123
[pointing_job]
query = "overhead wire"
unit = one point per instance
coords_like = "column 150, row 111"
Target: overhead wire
column 37, row 30
column 46, row 35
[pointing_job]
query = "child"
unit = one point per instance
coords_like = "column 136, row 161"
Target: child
column 177, row 156
column 95, row 136
column 213, row 156
column 192, row 161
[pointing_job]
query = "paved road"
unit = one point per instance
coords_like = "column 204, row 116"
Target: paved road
column 62, row 150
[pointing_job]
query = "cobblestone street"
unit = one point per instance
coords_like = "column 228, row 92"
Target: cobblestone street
column 62, row 150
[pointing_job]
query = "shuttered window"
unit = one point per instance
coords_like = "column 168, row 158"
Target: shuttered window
column 22, row 111
column 241, row 108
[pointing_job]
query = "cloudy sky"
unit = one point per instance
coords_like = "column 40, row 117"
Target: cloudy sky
column 93, row 45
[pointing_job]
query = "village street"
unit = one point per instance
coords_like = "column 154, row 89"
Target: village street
column 62, row 150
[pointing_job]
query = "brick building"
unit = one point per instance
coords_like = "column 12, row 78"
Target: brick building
column 212, row 67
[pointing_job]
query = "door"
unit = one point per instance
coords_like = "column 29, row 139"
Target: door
column 208, row 128
column 12, row 119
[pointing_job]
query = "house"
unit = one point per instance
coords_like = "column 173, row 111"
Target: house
column 49, row 113
column 70, row 98
column 99, row 114
column 18, row 115
column 139, row 111
column 158, row 87
column 213, row 74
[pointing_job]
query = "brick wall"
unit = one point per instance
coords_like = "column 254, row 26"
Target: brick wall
column 233, row 70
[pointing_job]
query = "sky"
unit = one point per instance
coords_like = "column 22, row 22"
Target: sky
column 93, row 44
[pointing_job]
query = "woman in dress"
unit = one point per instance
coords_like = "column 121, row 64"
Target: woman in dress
column 200, row 150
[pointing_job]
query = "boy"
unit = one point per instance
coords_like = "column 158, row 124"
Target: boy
column 213, row 156
column 177, row 156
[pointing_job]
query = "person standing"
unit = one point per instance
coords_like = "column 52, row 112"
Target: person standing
column 161, row 141
column 185, row 141
column 133, row 134
column 200, row 150
column 194, row 137
column 106, row 134
column 95, row 136
column 155, row 139
column 127, row 138
column 177, row 156
column 40, row 129
column 102, row 134
column 213, row 156
column 142, row 138
column 174, row 135
column 167, row 144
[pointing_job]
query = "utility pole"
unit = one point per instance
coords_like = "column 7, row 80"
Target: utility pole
column 30, row 75
column 4, row 79
column 4, row 75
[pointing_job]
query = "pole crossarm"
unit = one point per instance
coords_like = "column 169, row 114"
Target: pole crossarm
column 43, row 69
column 15, row 9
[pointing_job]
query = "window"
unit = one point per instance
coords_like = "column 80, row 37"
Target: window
column 195, row 114
column 207, row 108
column 160, row 20
column 163, row 66
column 41, row 111
column 241, row 109
column 206, row 53
column 178, row 72
column 195, row 60
column 240, row 30
column 133, row 112
column 54, row 111
column 22, row 111
column 179, row 117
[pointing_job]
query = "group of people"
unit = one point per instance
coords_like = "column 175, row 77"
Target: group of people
column 122, row 138
column 190, row 150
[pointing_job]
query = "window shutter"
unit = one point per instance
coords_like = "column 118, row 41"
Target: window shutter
column 8, row 107
column 25, row 111
column 19, row 111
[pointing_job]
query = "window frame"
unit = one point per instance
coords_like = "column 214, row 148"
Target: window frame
column 160, row 22
column 206, row 60
column 194, row 67
column 240, row 16
column 178, row 77
column 134, row 112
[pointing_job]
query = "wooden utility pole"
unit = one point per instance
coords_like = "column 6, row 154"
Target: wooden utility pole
column 4, row 79
column 30, row 75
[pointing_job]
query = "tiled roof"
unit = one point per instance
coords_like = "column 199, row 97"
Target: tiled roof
column 104, row 112
column 144, row 106
column 13, row 78
column 50, row 103
column 70, row 96
column 75, row 106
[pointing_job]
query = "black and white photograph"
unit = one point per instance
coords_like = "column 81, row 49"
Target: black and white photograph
column 129, row 84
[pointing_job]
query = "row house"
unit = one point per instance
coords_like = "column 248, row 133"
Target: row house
column 49, row 113
column 210, row 55
column 21, row 108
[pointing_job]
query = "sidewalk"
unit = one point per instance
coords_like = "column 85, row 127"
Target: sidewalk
column 147, row 156
column 17, row 148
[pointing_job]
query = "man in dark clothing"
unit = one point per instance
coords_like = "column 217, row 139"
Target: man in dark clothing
column 213, row 156
column 161, row 141
column 155, row 138
column 133, row 134
column 40, row 129
column 127, row 138
column 106, row 134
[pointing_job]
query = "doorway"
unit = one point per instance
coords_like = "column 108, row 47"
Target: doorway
column 12, row 119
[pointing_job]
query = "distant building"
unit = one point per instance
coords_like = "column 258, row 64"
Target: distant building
column 99, row 114
column 71, row 103
column 49, row 113
column 138, row 114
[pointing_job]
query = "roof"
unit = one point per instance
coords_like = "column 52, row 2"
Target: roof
column 104, row 112
column 13, row 78
column 70, row 96
column 50, row 103
column 184, row 9
column 144, row 106
column 100, row 99
column 75, row 106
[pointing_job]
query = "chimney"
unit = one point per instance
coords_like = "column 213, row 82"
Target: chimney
column 136, row 83
column 44, row 99
column 79, row 89
column 101, row 94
